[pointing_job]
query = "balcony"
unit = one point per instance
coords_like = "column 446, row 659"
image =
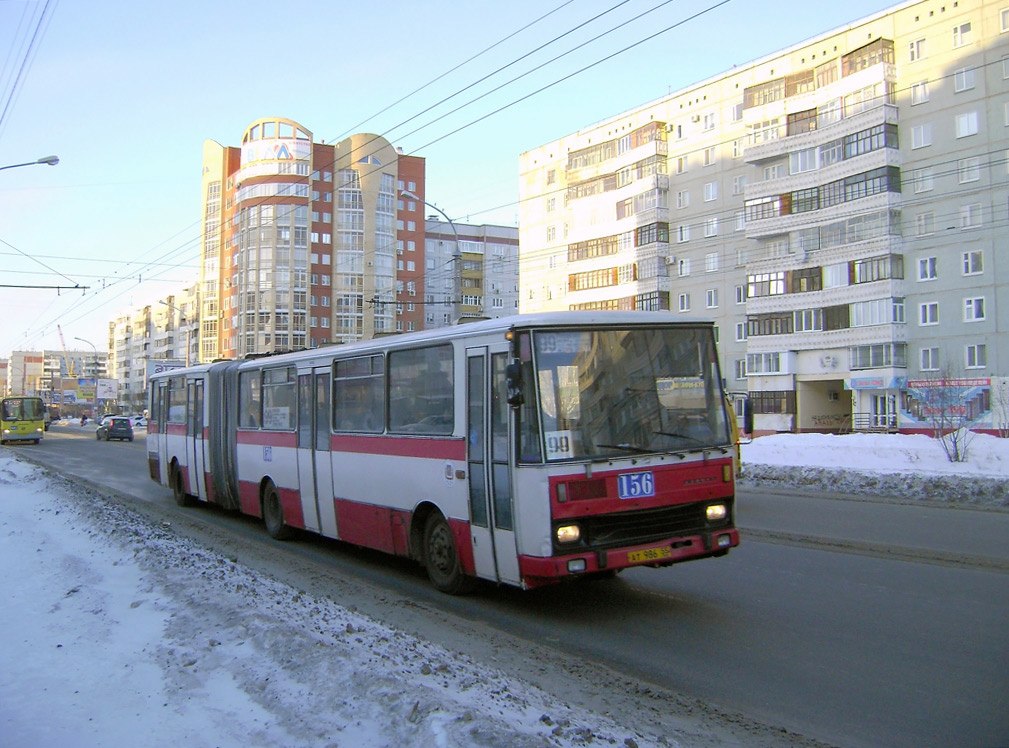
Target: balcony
column 779, row 143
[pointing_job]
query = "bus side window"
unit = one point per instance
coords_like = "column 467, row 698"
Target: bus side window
column 249, row 400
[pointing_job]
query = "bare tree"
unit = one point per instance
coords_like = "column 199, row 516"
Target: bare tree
column 951, row 410
column 1000, row 405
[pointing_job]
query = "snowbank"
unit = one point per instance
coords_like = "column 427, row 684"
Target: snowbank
column 907, row 467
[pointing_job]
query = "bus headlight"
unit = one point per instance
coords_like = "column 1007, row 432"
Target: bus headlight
column 568, row 534
column 715, row 512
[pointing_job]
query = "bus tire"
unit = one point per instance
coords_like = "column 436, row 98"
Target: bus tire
column 441, row 558
column 179, row 487
column 273, row 514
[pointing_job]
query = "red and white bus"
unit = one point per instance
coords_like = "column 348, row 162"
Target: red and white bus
column 523, row 451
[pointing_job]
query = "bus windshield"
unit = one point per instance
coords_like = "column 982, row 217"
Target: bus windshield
column 23, row 409
column 609, row 393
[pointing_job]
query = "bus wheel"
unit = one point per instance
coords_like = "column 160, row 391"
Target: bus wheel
column 441, row 558
column 273, row 514
column 179, row 487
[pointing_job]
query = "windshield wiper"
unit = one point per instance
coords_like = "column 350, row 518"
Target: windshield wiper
column 628, row 448
column 677, row 435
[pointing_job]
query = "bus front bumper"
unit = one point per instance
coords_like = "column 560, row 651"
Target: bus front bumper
column 538, row 571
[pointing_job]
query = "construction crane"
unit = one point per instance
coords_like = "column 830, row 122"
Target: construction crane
column 66, row 357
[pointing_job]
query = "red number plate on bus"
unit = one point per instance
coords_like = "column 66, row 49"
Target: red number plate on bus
column 650, row 554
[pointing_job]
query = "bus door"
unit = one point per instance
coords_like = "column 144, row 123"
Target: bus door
column 315, row 466
column 492, row 517
column 196, row 461
column 161, row 418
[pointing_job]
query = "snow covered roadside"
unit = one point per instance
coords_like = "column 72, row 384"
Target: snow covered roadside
column 901, row 466
column 118, row 632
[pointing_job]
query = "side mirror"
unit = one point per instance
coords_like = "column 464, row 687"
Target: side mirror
column 513, row 383
column 747, row 416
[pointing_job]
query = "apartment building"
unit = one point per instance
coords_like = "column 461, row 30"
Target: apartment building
column 471, row 272
column 300, row 239
column 837, row 208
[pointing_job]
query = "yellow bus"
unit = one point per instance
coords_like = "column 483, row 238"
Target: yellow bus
column 22, row 419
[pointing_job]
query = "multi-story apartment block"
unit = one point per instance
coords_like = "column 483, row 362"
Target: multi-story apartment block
column 471, row 272
column 838, row 208
column 300, row 239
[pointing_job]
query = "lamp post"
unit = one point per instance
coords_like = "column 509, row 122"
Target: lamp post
column 457, row 275
column 50, row 160
column 93, row 348
column 183, row 320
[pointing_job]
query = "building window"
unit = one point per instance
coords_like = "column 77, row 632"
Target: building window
column 738, row 185
column 977, row 356
column 684, row 267
column 710, row 191
column 973, row 309
column 711, row 298
column 929, row 313
column 916, row 50
column 973, row 262
column 711, row 262
column 963, row 79
column 929, row 359
column 683, row 233
column 924, row 179
column 684, row 302
column 968, row 169
column 1004, row 20
column 740, row 332
column 921, row 135
column 927, row 269
column 682, row 199
column 740, row 294
column 709, row 156
column 961, row 35
column 711, row 226
column 924, row 224
column 808, row 320
column 970, row 216
column 740, row 367
column 919, row 93
column 966, row 124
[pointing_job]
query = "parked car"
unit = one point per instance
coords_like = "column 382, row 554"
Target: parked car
column 115, row 427
column 139, row 422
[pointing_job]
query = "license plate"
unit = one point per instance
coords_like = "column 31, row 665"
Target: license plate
column 635, row 485
column 650, row 554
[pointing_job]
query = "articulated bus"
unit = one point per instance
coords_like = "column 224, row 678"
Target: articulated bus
column 22, row 419
column 525, row 450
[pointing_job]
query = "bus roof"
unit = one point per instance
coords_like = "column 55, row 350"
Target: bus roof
column 605, row 318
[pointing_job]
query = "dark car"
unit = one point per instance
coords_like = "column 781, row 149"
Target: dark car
column 117, row 427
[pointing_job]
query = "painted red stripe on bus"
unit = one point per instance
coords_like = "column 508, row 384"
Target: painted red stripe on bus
column 268, row 438
column 372, row 526
column 178, row 429
column 400, row 446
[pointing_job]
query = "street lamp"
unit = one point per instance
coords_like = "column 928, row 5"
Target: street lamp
column 457, row 275
column 51, row 160
column 183, row 320
column 96, row 366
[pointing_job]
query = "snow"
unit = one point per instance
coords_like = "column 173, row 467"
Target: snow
column 119, row 632
column 897, row 466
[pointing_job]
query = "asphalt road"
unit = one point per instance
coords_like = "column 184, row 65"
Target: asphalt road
column 857, row 623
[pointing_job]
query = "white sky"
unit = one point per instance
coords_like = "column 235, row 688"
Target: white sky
column 117, row 633
column 125, row 93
